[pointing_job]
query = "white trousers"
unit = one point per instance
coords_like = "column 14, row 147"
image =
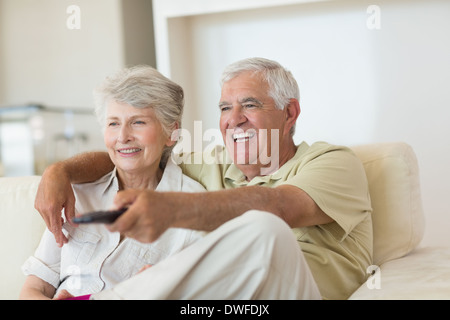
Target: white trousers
column 254, row 256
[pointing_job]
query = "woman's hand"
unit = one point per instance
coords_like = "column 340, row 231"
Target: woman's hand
column 144, row 268
column 63, row 295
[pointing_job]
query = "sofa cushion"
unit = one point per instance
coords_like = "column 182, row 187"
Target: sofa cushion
column 398, row 219
column 21, row 229
column 422, row 274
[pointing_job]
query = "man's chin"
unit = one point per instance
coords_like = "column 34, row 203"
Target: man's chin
column 244, row 159
column 243, row 153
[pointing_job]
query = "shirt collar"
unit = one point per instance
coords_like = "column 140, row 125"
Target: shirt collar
column 170, row 180
column 111, row 181
column 235, row 175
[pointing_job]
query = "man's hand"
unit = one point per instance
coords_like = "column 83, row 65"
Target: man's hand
column 149, row 214
column 53, row 195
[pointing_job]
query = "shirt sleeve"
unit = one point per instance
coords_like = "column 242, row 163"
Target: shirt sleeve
column 45, row 263
column 190, row 185
column 335, row 179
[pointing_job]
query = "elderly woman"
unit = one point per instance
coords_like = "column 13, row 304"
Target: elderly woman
column 138, row 109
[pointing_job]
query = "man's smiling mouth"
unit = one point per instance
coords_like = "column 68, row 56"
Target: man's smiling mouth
column 243, row 136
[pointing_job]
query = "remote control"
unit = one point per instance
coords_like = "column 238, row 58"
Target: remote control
column 99, row 216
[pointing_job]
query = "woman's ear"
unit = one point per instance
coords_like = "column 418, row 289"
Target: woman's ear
column 173, row 139
column 292, row 111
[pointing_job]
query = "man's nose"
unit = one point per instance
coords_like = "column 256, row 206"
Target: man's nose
column 236, row 117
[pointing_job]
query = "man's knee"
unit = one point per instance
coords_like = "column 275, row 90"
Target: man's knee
column 266, row 224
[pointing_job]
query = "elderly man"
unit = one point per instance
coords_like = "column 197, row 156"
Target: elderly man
column 284, row 221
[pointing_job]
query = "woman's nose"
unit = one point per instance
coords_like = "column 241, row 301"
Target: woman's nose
column 124, row 134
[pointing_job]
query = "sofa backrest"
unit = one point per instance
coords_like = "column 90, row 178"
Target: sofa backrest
column 398, row 220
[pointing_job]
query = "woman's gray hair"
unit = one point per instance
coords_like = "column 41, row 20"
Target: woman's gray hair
column 282, row 84
column 143, row 86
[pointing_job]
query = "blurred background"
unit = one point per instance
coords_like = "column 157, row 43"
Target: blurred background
column 368, row 71
column 51, row 58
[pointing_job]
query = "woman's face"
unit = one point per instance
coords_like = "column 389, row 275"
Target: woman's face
column 134, row 138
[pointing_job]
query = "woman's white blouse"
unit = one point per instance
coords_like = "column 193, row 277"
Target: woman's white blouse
column 94, row 259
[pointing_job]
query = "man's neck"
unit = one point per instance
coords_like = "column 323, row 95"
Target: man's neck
column 254, row 170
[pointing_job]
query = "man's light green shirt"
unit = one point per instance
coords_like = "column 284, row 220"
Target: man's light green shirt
column 338, row 253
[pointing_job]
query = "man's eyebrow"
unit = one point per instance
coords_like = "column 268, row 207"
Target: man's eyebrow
column 242, row 101
column 250, row 99
column 223, row 104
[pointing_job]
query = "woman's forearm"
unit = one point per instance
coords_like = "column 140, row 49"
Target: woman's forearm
column 33, row 294
column 35, row 288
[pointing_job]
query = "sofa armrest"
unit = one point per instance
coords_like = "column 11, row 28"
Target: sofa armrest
column 21, row 229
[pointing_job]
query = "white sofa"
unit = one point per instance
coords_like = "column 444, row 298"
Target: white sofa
column 21, row 228
column 403, row 268
column 406, row 269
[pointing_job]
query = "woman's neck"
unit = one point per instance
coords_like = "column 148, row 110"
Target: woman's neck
column 139, row 180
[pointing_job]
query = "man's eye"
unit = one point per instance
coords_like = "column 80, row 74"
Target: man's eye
column 113, row 124
column 224, row 108
column 139, row 122
column 250, row 105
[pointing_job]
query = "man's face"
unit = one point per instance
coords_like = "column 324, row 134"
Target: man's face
column 251, row 125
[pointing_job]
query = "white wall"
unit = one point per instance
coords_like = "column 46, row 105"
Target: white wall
column 44, row 62
column 357, row 85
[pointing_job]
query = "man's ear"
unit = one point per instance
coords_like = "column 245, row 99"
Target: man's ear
column 173, row 139
column 292, row 111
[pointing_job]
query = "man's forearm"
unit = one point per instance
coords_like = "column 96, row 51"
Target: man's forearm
column 86, row 167
column 209, row 210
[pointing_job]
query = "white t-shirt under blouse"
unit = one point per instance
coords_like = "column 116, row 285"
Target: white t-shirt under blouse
column 94, row 259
